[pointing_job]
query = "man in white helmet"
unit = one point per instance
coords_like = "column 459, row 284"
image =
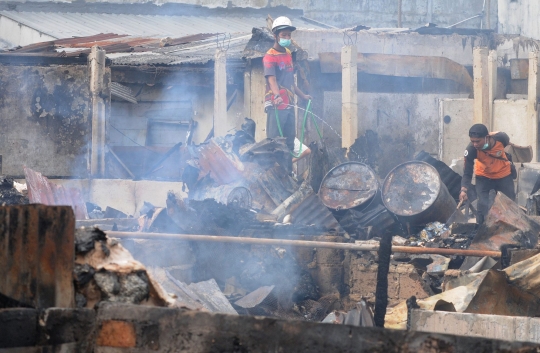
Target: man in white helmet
column 280, row 86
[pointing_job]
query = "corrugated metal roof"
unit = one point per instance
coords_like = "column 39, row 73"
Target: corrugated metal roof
column 199, row 52
column 120, row 91
column 41, row 190
column 65, row 25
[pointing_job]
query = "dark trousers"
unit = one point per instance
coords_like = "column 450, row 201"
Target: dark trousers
column 484, row 186
column 288, row 127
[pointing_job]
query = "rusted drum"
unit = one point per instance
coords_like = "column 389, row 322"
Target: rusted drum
column 228, row 194
column 415, row 193
column 348, row 185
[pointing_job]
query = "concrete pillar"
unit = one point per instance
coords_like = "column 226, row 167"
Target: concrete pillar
column 220, row 93
column 96, row 62
column 349, row 109
column 481, row 87
column 532, row 105
column 258, row 88
column 492, row 73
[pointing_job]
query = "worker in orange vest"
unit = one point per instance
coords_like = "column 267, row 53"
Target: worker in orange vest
column 493, row 168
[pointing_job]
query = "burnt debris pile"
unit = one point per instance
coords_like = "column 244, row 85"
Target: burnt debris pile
column 106, row 272
column 11, row 192
column 376, row 241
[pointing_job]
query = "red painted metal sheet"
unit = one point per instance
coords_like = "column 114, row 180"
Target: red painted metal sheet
column 95, row 38
column 223, row 167
column 41, row 190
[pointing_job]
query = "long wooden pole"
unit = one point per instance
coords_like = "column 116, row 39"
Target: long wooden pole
column 300, row 243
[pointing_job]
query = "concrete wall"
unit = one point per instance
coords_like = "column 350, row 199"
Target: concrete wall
column 137, row 328
column 508, row 328
column 455, row 47
column 405, row 123
column 45, row 119
column 127, row 196
column 511, row 117
column 454, row 133
column 384, row 13
column 129, row 122
column 163, row 330
column 519, row 17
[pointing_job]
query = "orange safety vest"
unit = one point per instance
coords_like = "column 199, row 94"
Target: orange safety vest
column 493, row 163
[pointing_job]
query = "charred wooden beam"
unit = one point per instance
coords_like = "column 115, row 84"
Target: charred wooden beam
column 37, row 255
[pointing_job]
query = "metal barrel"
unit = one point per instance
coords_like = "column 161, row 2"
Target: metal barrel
column 348, row 185
column 227, row 194
column 415, row 193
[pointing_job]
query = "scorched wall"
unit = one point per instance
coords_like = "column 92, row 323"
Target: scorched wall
column 45, row 119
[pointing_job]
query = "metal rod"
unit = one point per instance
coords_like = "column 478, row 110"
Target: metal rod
column 300, row 243
column 468, row 19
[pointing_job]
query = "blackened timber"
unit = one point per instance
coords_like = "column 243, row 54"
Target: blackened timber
column 381, row 291
column 37, row 255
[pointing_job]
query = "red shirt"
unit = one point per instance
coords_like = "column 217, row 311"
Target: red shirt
column 280, row 65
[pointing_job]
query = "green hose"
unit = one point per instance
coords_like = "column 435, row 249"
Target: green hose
column 308, row 110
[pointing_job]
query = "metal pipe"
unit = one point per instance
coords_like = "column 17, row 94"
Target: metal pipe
column 300, row 243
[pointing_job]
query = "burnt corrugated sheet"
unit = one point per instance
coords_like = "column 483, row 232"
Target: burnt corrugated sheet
column 197, row 52
column 277, row 184
column 120, row 91
column 37, row 254
column 41, row 190
column 311, row 211
column 356, row 222
column 451, row 179
column 223, row 167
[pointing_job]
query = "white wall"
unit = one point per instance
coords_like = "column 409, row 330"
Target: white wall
column 520, row 17
column 454, row 47
column 454, row 134
column 511, row 117
column 508, row 328
column 127, row 196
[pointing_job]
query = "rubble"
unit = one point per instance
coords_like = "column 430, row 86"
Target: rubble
column 11, row 192
column 237, row 188
column 41, row 190
column 506, row 224
column 105, row 271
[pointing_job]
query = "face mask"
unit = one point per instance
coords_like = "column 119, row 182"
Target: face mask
column 486, row 145
column 284, row 42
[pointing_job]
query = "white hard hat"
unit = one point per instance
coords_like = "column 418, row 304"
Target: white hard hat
column 282, row 22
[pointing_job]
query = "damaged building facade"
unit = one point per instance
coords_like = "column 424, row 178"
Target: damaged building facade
column 186, row 233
